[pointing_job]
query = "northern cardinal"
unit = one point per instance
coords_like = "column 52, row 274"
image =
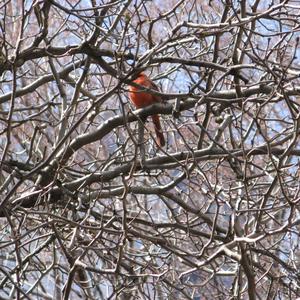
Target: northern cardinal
column 142, row 99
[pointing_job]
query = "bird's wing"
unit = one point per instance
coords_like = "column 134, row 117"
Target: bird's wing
column 153, row 86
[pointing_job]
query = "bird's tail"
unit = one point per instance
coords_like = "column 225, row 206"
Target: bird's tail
column 159, row 134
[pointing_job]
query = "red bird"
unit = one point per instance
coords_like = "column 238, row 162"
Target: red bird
column 142, row 99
